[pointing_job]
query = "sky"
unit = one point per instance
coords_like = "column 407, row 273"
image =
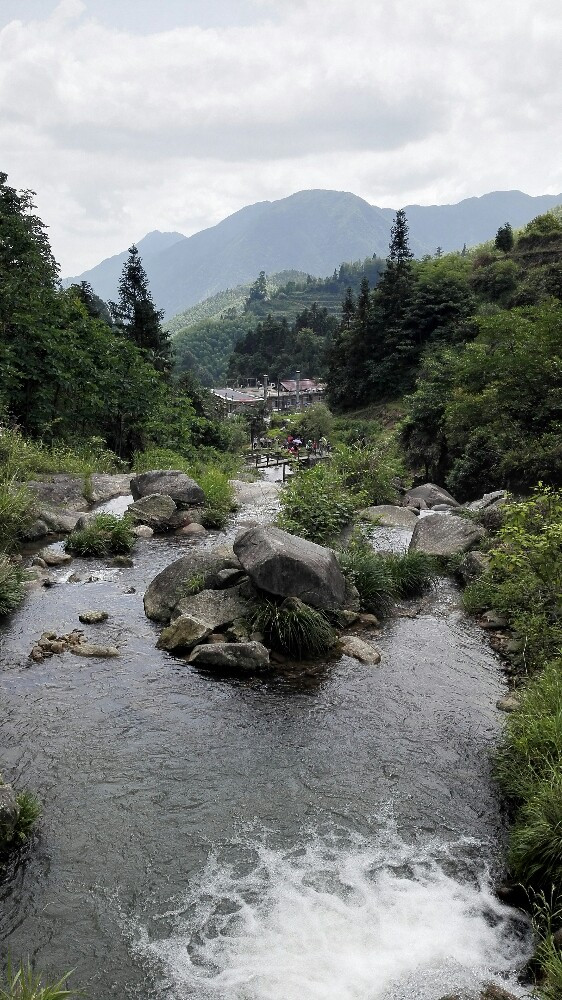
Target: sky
column 126, row 116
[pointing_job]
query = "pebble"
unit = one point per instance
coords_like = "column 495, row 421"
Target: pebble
column 93, row 617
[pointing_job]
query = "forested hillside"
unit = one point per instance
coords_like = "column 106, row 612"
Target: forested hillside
column 475, row 343
column 205, row 347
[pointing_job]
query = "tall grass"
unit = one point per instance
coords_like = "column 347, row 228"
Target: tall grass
column 12, row 585
column 535, row 848
column 105, row 535
column 381, row 578
column 23, row 983
column 23, row 458
column 16, row 511
column 293, row 627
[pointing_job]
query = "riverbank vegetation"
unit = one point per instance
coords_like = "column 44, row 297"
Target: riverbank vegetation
column 22, row 983
column 105, row 535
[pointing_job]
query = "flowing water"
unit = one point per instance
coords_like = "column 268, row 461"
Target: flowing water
column 330, row 832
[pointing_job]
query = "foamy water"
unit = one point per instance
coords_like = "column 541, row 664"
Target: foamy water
column 329, row 921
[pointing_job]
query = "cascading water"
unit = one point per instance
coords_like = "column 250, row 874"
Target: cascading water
column 327, row 833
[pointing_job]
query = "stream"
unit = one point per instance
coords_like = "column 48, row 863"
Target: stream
column 327, row 832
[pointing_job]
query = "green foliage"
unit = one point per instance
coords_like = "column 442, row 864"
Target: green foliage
column 531, row 750
column 24, row 984
column 535, row 848
column 411, row 572
column 370, row 572
column 369, row 471
column 105, row 535
column 12, row 585
column 16, row 510
column 25, row 458
column 504, row 238
column 29, row 812
column 194, row 585
column 219, row 496
column 293, row 627
column 136, row 315
column 524, row 580
column 315, row 422
column 547, row 916
column 160, row 458
column 315, row 504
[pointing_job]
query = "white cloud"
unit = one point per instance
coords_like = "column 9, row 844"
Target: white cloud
column 398, row 101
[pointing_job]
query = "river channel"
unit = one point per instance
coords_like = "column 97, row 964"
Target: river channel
column 329, row 832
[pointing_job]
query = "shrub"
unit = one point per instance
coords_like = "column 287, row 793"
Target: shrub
column 24, row 984
column 24, row 458
column 293, row 627
column 315, row 504
column 12, row 585
column 535, row 850
column 105, row 535
column 368, row 471
column 220, row 496
column 16, row 511
column 29, row 813
column 370, row 572
column 160, row 458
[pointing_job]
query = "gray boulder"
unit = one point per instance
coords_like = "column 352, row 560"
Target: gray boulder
column 154, row 510
column 389, row 516
column 58, row 521
column 52, row 558
column 179, row 578
column 216, row 608
column 105, row 487
column 431, row 494
column 288, row 566
column 238, row 656
column 9, row 814
column 60, row 490
column 445, row 535
column 486, row 501
column 38, row 529
column 185, row 492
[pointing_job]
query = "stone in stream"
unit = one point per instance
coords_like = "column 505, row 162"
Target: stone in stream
column 142, row 531
column 90, row 649
column 183, row 490
column 58, row 521
column 154, row 510
column 105, row 487
column 9, row 814
column 215, row 608
column 360, row 650
column 93, row 617
column 184, row 632
column 199, row 568
column 288, row 566
column 53, row 558
column 124, row 561
column 389, row 516
column 508, row 704
column 445, row 535
column 38, row 529
column 237, row 656
column 431, row 494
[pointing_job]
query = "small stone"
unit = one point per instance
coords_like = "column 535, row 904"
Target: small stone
column 75, row 578
column 38, row 561
column 36, row 654
column 52, row 558
column 93, row 617
column 89, row 649
column 493, row 992
column 492, row 619
column 228, row 577
column 349, row 618
column 508, row 704
column 142, row 531
column 360, row 650
column 125, row 561
column 131, row 590
column 49, row 582
column 193, row 530
column 369, row 620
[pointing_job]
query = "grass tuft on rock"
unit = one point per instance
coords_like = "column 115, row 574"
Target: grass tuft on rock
column 12, row 585
column 105, row 535
column 293, row 627
column 23, row 983
column 29, row 812
column 412, row 572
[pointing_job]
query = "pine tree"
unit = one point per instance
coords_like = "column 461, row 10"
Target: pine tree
column 504, row 238
column 136, row 315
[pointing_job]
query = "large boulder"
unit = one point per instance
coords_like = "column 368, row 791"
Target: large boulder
column 58, row 520
column 431, row 494
column 105, row 487
column 237, row 656
column 389, row 516
column 445, row 535
column 216, row 608
column 183, row 490
column 154, row 510
column 288, row 566
column 60, row 490
column 9, row 814
column 197, row 570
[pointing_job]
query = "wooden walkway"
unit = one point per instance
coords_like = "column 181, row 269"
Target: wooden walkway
column 263, row 460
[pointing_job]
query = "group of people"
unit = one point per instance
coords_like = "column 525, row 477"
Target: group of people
column 313, row 447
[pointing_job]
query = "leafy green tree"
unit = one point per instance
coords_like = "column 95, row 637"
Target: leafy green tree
column 504, row 238
column 136, row 315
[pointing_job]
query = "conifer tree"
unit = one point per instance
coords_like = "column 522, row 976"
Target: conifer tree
column 504, row 238
column 136, row 315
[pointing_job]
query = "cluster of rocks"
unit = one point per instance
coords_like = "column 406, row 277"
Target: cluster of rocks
column 166, row 501
column 74, row 642
column 440, row 534
column 60, row 499
column 211, row 624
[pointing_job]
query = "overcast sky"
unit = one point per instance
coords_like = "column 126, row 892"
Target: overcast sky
column 131, row 115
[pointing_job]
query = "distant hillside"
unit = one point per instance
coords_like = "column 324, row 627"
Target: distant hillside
column 311, row 231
